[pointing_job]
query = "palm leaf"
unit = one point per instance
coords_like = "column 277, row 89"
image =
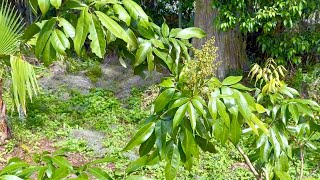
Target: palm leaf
column 11, row 25
column 24, row 82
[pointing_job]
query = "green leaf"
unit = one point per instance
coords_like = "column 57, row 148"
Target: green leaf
column 212, row 107
column 283, row 175
column 157, row 43
column 97, row 37
column 60, row 173
column 147, row 146
column 59, row 41
column 68, row 29
column 199, row 107
column 260, row 108
column 142, row 53
column 241, row 87
column 192, row 115
column 243, row 105
column 163, row 99
column 12, row 168
column 161, row 129
column 275, row 143
column 172, row 165
column 141, row 136
column 293, row 109
column 122, row 14
column 165, row 57
column 191, row 32
column 179, row 115
column 205, row 145
column 44, row 36
column 260, row 124
column 231, row 80
column 31, row 30
column 235, row 130
column 10, row 177
column 112, row 26
column 223, row 113
column 82, row 30
column 98, row 173
column 168, row 82
column 135, row 10
column 137, row 164
column 61, row 162
column 49, row 54
column 179, row 102
column 165, row 30
column 44, row 6
column 174, row 32
column 56, row 3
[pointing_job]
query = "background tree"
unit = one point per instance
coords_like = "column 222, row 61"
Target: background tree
column 232, row 45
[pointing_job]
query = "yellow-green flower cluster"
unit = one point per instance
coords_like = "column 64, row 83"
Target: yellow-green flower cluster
column 202, row 66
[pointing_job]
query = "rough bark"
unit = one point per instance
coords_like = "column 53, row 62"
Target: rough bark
column 5, row 132
column 231, row 46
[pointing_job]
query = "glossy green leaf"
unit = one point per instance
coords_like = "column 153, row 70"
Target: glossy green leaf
column 231, row 80
column 142, row 53
column 59, row 41
column 135, row 10
column 223, row 112
column 61, row 162
column 141, row 136
column 68, row 29
column 235, row 131
column 241, row 87
column 97, row 37
column 82, row 30
column 179, row 115
column 10, row 177
column 161, row 129
column 283, row 175
column 163, row 99
column 56, row 3
column 122, row 14
column 190, row 32
column 165, row 30
column 44, row 36
column 137, row 164
column 148, row 145
column 44, row 6
column 205, row 145
column 243, row 105
column 260, row 124
column 172, row 165
column 192, row 115
column 112, row 26
column 98, row 173
column 60, row 173
column 293, row 109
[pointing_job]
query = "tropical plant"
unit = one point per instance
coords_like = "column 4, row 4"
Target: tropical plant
column 121, row 25
column 13, row 65
column 194, row 108
column 53, row 166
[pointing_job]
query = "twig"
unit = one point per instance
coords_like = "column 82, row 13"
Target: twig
column 301, row 162
column 248, row 162
column 314, row 170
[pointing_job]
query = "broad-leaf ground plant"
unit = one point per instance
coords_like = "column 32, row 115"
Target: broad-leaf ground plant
column 194, row 108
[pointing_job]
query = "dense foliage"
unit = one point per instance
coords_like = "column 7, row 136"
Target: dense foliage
column 195, row 107
column 285, row 30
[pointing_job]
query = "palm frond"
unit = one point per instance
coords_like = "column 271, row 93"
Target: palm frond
column 24, row 82
column 11, row 25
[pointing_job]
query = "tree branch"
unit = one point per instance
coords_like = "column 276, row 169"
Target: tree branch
column 248, row 162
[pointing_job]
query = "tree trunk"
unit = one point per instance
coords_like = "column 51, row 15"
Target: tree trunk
column 231, row 45
column 5, row 132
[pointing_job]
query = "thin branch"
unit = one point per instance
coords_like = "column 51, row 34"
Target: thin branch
column 248, row 162
column 301, row 162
